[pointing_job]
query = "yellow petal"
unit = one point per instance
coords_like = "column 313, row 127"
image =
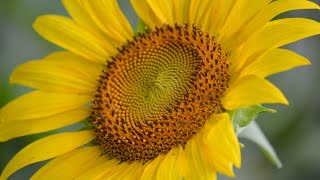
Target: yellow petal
column 150, row 171
column 39, row 104
column 75, row 162
column 80, row 15
column 109, row 18
column 13, row 129
column 70, row 74
column 163, row 10
column 134, row 172
column 69, row 57
column 267, row 14
column 100, row 160
column 206, row 21
column 122, row 171
column 69, row 35
column 173, row 165
column 241, row 13
column 47, row 148
column 251, row 90
column 99, row 171
column 275, row 34
column 219, row 12
column 117, row 172
column 275, row 61
column 198, row 10
column 197, row 165
column 181, row 11
column 219, row 144
column 144, row 11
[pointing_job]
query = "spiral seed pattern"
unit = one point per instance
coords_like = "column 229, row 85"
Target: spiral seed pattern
column 158, row 92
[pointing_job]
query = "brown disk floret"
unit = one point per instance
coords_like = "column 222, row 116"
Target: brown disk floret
column 158, row 92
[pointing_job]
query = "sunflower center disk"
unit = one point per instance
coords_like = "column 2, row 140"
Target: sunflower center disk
column 158, row 92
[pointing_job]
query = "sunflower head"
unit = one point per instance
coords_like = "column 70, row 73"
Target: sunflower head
column 158, row 92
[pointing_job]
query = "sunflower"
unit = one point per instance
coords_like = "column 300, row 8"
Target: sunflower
column 155, row 104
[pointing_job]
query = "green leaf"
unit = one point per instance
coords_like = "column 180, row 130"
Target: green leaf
column 253, row 133
column 244, row 116
column 141, row 27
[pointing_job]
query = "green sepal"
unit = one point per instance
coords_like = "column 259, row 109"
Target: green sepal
column 243, row 120
column 244, row 116
column 141, row 27
column 87, row 126
column 253, row 133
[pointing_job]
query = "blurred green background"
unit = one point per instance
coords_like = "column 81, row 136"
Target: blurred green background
column 294, row 131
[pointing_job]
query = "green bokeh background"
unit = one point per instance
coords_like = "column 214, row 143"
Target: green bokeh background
column 294, row 131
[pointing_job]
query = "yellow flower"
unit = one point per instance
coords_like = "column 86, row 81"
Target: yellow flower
column 156, row 101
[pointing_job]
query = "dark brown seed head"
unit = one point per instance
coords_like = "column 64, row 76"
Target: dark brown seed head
column 158, row 92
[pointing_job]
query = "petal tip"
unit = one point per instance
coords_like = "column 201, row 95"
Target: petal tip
column 37, row 22
column 307, row 62
column 284, row 101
